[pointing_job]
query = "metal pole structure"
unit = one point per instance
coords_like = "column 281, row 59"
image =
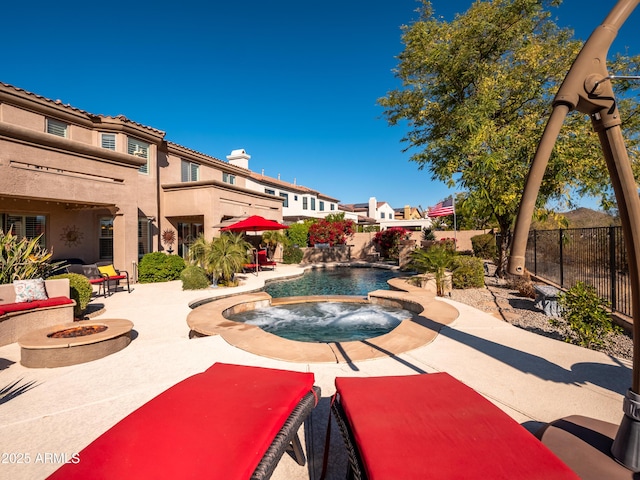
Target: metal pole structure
column 587, row 88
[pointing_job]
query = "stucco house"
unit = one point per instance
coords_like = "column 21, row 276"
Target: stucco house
column 105, row 188
column 298, row 202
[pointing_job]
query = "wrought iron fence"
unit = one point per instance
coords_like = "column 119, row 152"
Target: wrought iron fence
column 596, row 256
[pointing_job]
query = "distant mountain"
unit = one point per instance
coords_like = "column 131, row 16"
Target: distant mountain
column 585, row 217
column 579, row 218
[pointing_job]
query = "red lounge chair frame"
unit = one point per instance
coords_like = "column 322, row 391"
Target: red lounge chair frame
column 433, row 426
column 229, row 422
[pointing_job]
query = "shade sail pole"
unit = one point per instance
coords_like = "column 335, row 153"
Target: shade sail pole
column 587, row 88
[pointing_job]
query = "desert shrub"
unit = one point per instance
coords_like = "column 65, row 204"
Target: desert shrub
column 194, row 277
column 586, row 314
column 292, row 254
column 427, row 234
column 80, row 290
column 159, row 267
column 298, row 234
column 333, row 231
column 484, row 246
column 468, row 272
column 389, row 241
column 523, row 284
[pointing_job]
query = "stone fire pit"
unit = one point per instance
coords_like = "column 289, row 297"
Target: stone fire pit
column 75, row 342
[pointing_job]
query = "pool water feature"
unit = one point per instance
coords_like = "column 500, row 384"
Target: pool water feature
column 333, row 281
column 322, row 321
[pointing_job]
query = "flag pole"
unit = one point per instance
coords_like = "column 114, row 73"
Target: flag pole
column 455, row 227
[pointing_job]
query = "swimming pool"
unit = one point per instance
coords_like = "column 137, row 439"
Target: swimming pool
column 333, row 281
column 328, row 321
column 323, row 321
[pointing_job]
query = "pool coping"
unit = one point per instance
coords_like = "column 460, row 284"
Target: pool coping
column 429, row 316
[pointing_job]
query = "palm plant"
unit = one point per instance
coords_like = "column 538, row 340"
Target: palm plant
column 272, row 238
column 436, row 260
column 222, row 257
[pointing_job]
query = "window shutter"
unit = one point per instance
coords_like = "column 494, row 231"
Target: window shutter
column 195, row 171
column 55, row 127
column 108, row 141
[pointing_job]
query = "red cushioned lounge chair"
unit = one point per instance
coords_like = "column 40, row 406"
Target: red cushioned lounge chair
column 263, row 261
column 229, row 422
column 113, row 276
column 433, row 426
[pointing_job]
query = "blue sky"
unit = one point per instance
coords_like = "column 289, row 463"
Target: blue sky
column 295, row 83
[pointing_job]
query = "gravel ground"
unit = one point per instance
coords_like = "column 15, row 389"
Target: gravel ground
column 520, row 311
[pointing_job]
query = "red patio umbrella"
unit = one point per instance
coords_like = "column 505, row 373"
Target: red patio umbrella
column 254, row 223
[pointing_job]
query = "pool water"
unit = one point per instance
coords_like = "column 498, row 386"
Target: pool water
column 328, row 321
column 325, row 321
column 333, row 281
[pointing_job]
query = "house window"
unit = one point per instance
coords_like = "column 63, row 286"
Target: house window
column 105, row 238
column 55, row 127
column 24, row 226
column 321, row 206
column 313, row 203
column 269, row 191
column 295, row 198
column 228, row 178
column 333, row 206
column 139, row 149
column 108, row 141
column 286, row 199
column 190, row 171
column 305, row 202
column 382, row 215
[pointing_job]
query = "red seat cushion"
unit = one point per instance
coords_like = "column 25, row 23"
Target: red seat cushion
column 22, row 306
column 215, row 425
column 433, row 426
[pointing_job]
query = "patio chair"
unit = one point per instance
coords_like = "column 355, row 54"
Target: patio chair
column 229, row 422
column 263, row 261
column 433, row 426
column 113, row 276
column 93, row 275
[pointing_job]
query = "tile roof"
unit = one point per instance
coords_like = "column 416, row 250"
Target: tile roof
column 58, row 103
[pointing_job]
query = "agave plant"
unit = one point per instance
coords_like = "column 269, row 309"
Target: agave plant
column 22, row 258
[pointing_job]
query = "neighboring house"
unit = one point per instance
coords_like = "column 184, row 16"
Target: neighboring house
column 382, row 214
column 408, row 213
column 298, row 202
column 372, row 212
column 106, row 188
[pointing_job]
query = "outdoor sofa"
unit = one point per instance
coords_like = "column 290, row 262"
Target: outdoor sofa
column 229, row 422
column 22, row 315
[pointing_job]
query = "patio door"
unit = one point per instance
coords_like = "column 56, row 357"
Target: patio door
column 187, row 234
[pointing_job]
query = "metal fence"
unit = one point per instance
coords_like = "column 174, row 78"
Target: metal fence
column 596, row 256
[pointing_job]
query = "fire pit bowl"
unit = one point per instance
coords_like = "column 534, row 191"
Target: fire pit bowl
column 75, row 342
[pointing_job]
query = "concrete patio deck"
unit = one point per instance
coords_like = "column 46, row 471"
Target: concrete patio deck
column 53, row 412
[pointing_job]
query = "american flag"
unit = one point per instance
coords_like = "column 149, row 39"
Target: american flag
column 442, row 209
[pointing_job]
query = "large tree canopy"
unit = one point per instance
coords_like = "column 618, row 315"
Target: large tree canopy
column 476, row 93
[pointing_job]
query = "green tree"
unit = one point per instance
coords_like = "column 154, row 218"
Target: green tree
column 475, row 95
